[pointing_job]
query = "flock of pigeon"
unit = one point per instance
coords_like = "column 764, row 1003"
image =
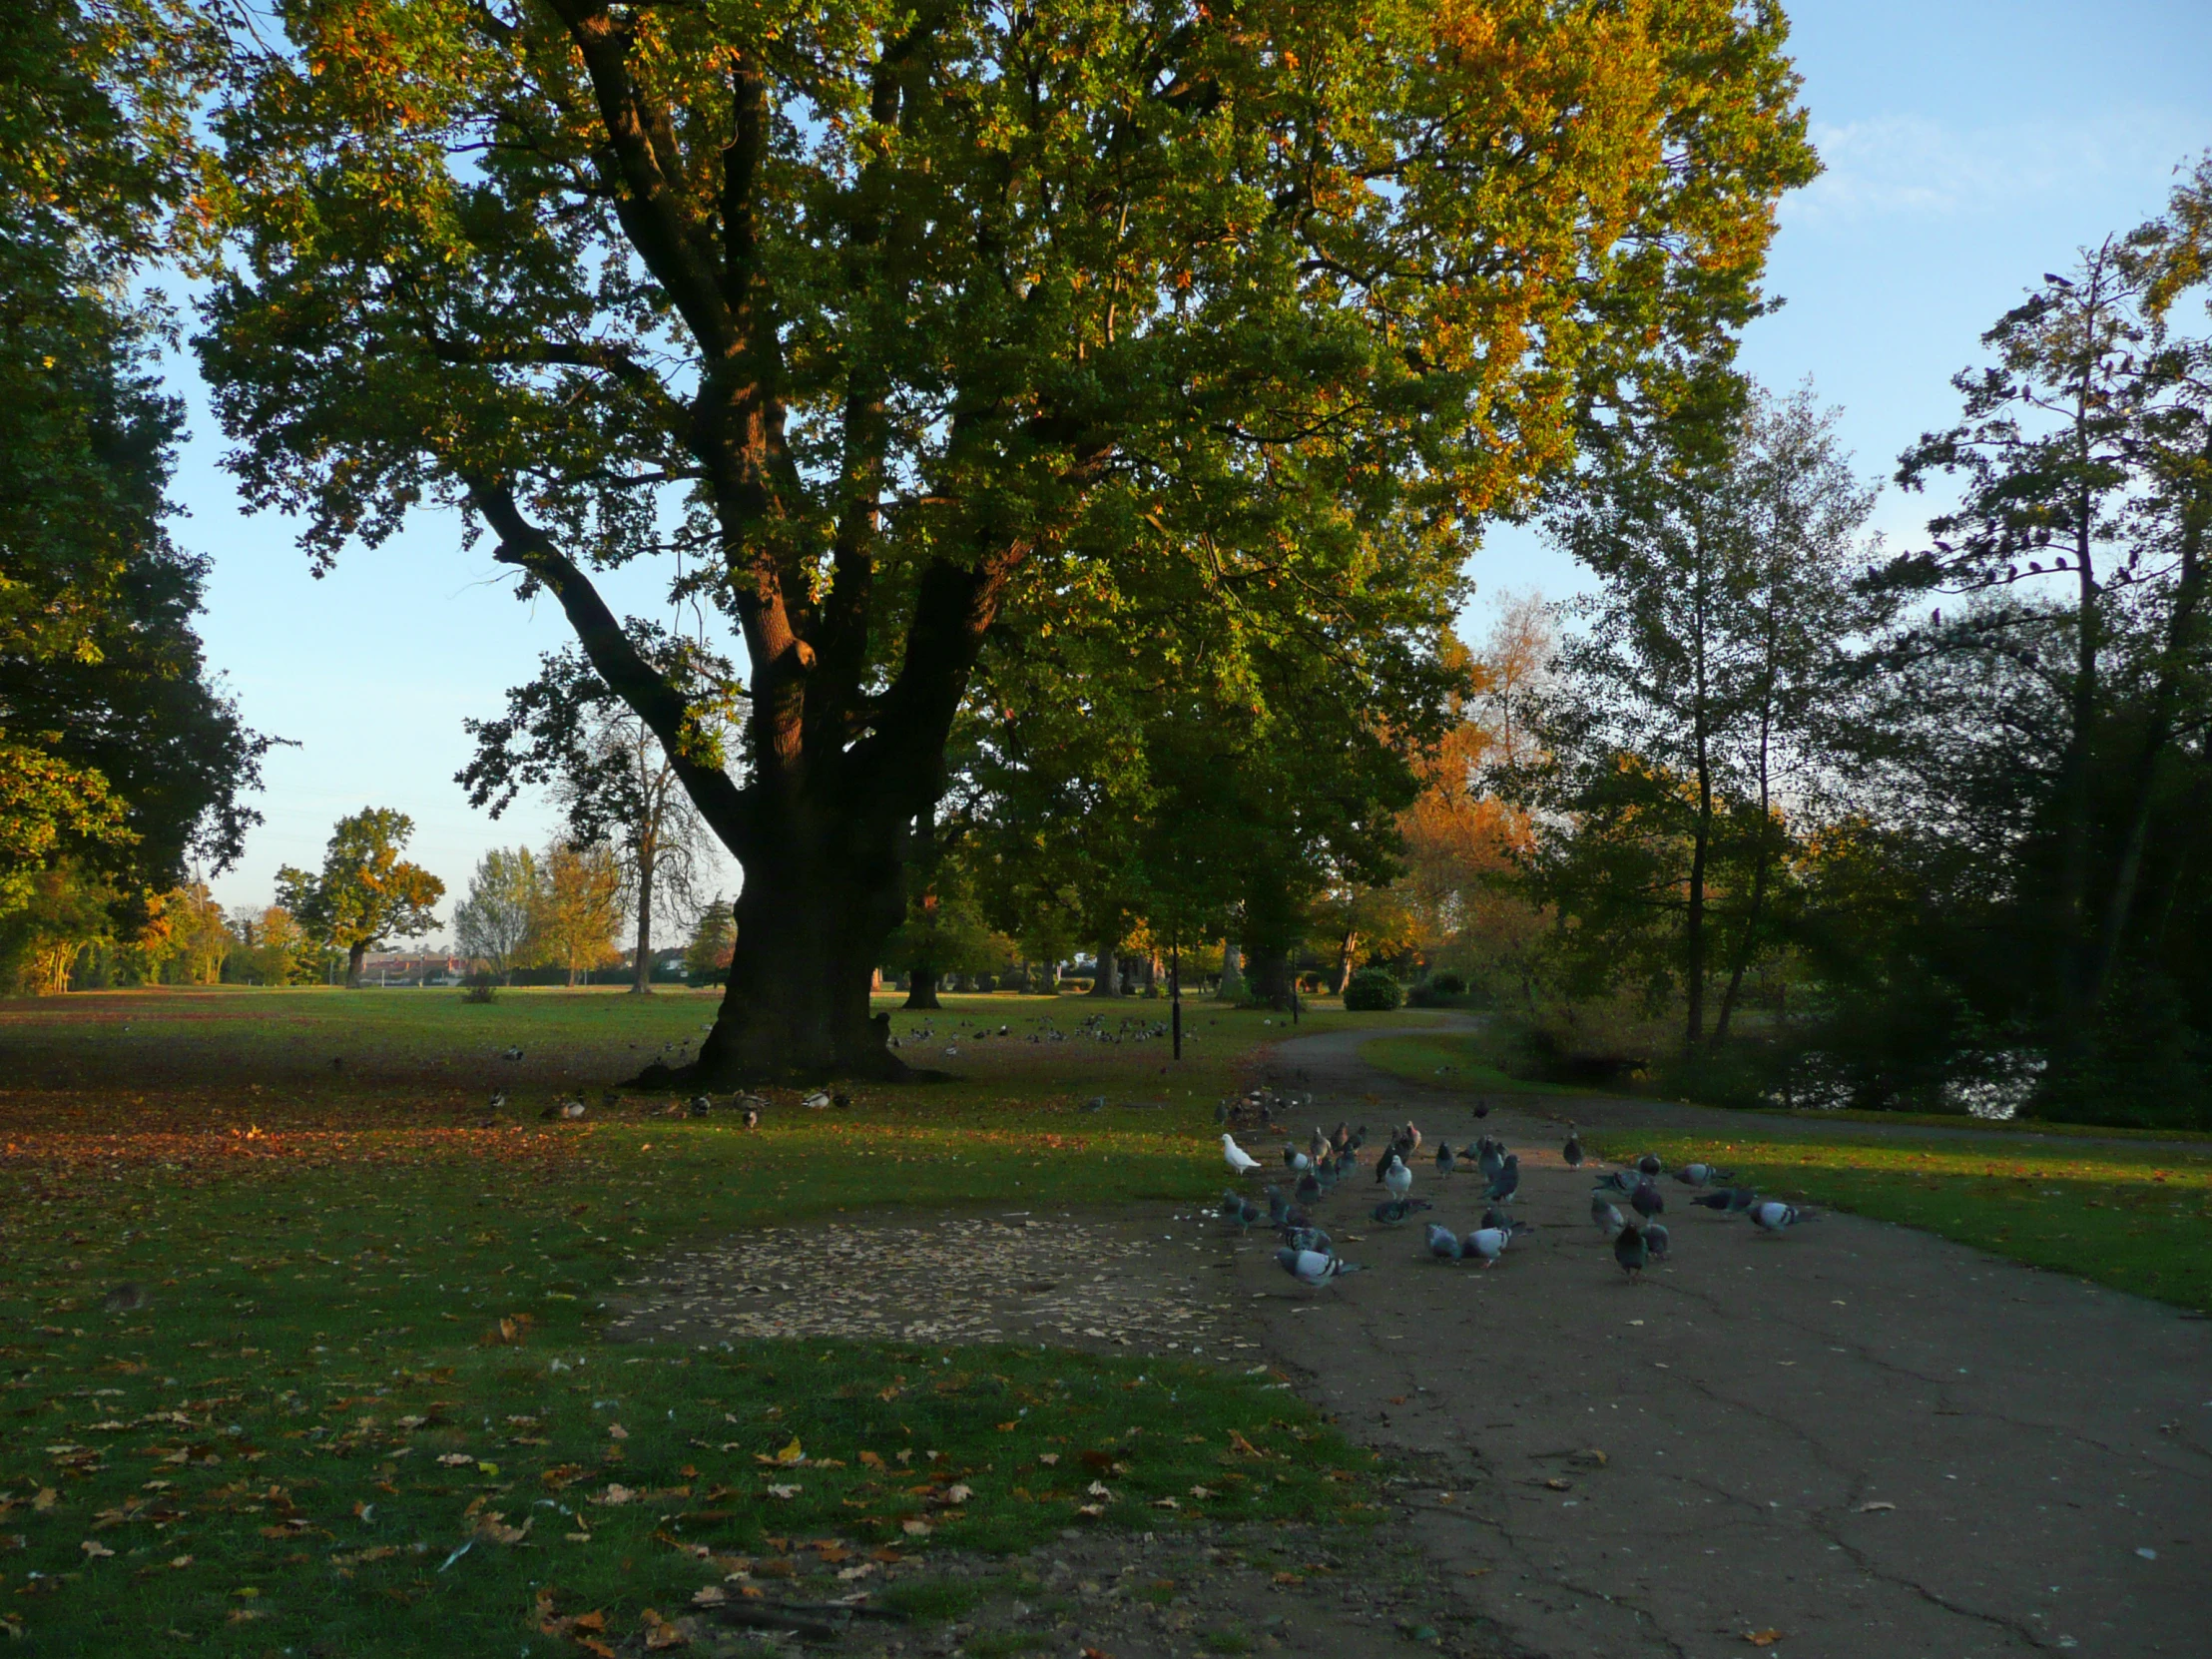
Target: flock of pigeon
column 1092, row 1028
column 1308, row 1254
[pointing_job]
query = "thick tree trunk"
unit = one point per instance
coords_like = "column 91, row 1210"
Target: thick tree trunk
column 354, row 957
column 1107, row 981
column 1271, row 978
column 641, row 982
column 1232, row 969
column 1151, row 974
column 811, row 930
column 921, row 990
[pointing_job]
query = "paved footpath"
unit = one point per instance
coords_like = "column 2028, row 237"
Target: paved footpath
column 1864, row 1437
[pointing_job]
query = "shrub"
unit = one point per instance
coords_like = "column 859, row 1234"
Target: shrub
column 1373, row 991
column 480, row 988
column 1449, row 983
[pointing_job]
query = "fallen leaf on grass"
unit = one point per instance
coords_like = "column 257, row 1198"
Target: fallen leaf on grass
column 1237, row 1442
column 95, row 1550
column 46, row 1499
column 1048, row 1458
column 712, row 1595
column 658, row 1633
column 786, row 1493
column 915, row 1528
column 457, row 1461
column 1202, row 1492
column 1869, row 1508
column 616, row 1492
column 874, row 1461
column 1560, row 1485
column 1762, row 1638
column 788, row 1456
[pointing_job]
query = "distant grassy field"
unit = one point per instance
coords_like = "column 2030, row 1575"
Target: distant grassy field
column 371, row 1324
column 2135, row 1221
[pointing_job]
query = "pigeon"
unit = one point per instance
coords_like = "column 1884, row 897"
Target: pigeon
column 1604, row 1216
column 1734, row 1200
column 1631, row 1251
column 1507, row 1182
column 1297, row 1160
column 1412, row 1134
column 1572, row 1152
column 1774, row 1216
column 1097, row 1103
column 1238, row 1210
column 1486, row 1241
column 512, row 1053
column 1618, row 1181
column 1307, row 1237
column 1317, row 1144
column 1648, row 1200
column 1656, row 1241
column 1393, row 1212
column 1489, row 1157
column 1313, row 1267
column 816, row 1101
column 1308, row 1190
column 1695, row 1175
column 1447, row 1161
column 1444, row 1243
column 1492, row 1216
column 753, row 1117
column 1237, row 1158
column 1342, row 1138
column 499, row 1101
column 1278, row 1204
column 1649, row 1164
column 1481, row 1108
column 1397, row 1177
column 126, row 1298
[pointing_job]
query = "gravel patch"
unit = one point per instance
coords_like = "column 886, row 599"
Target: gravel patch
column 1124, row 1282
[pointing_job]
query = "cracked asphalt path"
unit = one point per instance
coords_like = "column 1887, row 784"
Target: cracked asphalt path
column 1865, row 1438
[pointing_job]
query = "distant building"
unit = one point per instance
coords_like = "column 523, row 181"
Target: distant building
column 403, row 968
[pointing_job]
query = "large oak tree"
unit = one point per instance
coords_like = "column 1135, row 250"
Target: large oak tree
column 891, row 315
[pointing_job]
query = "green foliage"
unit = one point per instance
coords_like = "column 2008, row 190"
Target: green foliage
column 117, row 755
column 935, row 331
column 365, row 892
column 714, row 934
column 497, row 918
column 1372, row 990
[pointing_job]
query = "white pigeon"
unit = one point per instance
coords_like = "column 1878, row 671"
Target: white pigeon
column 1397, row 1177
column 816, row 1101
column 1773, row 1215
column 1487, row 1243
column 1237, row 1157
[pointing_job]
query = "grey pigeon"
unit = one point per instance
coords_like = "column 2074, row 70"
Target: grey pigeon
column 1572, row 1152
column 1657, row 1241
column 1393, row 1212
column 1481, row 1108
column 1507, row 1182
column 1631, row 1251
column 1649, row 1164
column 1648, row 1200
column 1313, row 1267
column 1695, row 1175
column 1489, row 1157
column 1308, row 1190
column 1492, row 1216
column 1307, row 1237
column 1278, row 1206
column 1397, row 1177
column 1447, row 1161
column 1604, row 1216
column 1444, row 1243
column 1297, row 1160
column 1486, row 1241
column 1238, row 1210
column 1618, row 1181
column 1732, row 1200
column 1776, row 1217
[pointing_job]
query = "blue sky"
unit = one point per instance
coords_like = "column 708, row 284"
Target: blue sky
column 1970, row 145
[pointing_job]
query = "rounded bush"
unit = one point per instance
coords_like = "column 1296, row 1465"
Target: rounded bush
column 1449, row 983
column 1373, row 991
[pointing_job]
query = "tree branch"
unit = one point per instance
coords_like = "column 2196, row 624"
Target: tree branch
column 615, row 659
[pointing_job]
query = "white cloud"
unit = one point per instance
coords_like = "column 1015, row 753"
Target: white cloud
column 1911, row 164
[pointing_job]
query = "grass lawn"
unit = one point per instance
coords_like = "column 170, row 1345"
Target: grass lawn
column 1453, row 1060
column 2135, row 1221
column 364, row 1411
